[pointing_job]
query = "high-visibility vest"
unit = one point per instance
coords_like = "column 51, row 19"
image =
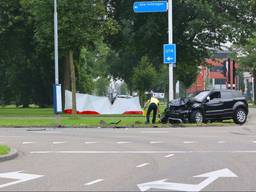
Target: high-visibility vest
column 154, row 100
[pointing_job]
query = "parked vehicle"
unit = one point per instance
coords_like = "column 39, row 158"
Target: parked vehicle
column 208, row 106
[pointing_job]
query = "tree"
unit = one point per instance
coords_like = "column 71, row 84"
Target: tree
column 21, row 74
column 81, row 24
column 247, row 58
column 144, row 77
column 199, row 26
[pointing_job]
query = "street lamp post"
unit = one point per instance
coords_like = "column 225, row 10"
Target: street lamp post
column 56, row 52
column 57, row 101
column 170, row 41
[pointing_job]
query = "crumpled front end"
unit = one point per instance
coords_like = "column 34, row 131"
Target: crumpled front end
column 178, row 111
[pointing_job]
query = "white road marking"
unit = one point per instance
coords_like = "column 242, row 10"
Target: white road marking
column 210, row 178
column 18, row 176
column 254, row 141
column 154, row 132
column 58, row 142
column 47, row 132
column 221, row 142
column 170, row 155
column 156, row 142
column 137, row 152
column 142, row 165
column 189, row 142
column 27, row 142
column 94, row 182
column 90, row 142
column 123, row 142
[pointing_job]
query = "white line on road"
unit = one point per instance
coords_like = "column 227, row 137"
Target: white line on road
column 221, row 142
column 156, row 142
column 170, row 155
column 254, row 141
column 137, row 152
column 123, row 142
column 189, row 142
column 154, row 132
column 94, row 182
column 90, row 142
column 58, row 142
column 27, row 142
column 142, row 165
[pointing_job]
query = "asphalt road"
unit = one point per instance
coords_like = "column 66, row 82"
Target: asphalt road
column 131, row 159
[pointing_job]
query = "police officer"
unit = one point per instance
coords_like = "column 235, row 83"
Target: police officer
column 152, row 104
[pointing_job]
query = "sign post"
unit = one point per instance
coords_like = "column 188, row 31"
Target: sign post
column 170, row 48
column 170, row 40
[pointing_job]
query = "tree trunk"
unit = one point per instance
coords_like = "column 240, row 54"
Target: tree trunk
column 66, row 80
column 73, row 82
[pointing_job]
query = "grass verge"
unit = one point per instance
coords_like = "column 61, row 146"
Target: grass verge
column 36, row 117
column 4, row 150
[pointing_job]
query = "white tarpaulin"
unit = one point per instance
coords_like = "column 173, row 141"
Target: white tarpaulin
column 89, row 104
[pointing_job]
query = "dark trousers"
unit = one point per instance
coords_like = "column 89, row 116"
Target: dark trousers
column 152, row 107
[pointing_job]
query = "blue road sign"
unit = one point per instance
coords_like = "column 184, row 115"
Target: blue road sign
column 150, row 6
column 170, row 53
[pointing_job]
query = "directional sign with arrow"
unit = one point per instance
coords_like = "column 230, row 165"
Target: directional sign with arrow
column 169, row 53
column 164, row 185
column 18, row 176
column 150, row 6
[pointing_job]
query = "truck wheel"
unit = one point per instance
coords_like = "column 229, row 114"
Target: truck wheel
column 240, row 116
column 197, row 117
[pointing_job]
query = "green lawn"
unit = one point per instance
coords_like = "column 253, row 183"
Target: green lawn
column 36, row 117
column 4, row 150
column 16, row 117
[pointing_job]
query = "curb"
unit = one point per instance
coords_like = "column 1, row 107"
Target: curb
column 13, row 154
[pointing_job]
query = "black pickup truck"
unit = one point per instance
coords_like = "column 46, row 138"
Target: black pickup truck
column 208, row 106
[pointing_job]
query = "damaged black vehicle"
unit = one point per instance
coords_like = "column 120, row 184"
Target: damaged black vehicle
column 208, row 106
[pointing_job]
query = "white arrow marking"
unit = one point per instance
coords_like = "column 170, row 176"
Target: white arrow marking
column 20, row 177
column 211, row 177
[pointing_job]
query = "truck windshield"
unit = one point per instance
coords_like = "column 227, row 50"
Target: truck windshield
column 201, row 96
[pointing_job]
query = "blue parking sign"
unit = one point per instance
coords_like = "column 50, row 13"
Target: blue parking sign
column 169, row 53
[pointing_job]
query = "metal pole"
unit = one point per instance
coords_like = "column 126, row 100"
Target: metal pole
column 56, row 58
column 170, row 40
column 56, row 53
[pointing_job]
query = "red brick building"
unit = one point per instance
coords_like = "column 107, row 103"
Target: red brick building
column 216, row 73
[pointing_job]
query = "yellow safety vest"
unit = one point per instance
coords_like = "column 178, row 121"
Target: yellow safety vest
column 152, row 100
